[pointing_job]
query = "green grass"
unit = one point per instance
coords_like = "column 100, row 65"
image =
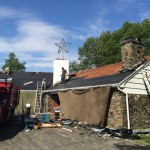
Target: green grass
column 145, row 139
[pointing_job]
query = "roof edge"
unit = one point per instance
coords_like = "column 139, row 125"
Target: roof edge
column 80, row 88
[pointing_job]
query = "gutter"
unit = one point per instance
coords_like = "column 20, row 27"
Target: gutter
column 127, row 107
column 79, row 88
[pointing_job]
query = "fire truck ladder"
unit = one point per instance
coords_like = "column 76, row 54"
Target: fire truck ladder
column 38, row 98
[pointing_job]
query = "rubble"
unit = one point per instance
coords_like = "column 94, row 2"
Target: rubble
column 85, row 129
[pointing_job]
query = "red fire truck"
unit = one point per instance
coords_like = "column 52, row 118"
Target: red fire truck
column 9, row 98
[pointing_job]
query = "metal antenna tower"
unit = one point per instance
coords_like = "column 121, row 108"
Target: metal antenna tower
column 63, row 47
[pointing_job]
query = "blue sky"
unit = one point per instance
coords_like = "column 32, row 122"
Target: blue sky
column 30, row 28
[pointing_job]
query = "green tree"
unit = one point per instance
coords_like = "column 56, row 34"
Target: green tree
column 145, row 35
column 13, row 63
column 87, row 54
column 106, row 49
column 74, row 67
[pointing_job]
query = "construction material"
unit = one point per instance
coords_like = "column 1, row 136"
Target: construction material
column 45, row 117
column 27, row 83
column 67, row 129
column 47, row 125
column 36, row 127
column 57, row 109
column 57, row 112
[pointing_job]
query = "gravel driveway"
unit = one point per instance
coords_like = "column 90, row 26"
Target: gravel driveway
column 14, row 137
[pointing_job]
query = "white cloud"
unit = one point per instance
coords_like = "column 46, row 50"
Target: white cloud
column 35, row 39
column 6, row 12
column 40, row 65
column 37, row 36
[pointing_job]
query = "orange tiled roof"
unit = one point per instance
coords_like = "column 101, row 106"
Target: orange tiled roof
column 102, row 71
column 147, row 57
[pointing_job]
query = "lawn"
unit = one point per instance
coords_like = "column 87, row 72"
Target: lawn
column 144, row 139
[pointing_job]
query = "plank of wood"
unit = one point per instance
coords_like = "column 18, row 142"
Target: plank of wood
column 47, row 125
column 27, row 83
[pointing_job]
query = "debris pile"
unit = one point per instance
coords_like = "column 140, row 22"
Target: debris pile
column 85, row 129
column 82, row 128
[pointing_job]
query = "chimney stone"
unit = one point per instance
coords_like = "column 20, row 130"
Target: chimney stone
column 132, row 51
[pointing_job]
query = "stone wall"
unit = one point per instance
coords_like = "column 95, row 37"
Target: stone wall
column 117, row 111
column 139, row 108
column 139, row 111
column 132, row 53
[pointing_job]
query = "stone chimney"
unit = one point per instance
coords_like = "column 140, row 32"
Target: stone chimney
column 132, row 51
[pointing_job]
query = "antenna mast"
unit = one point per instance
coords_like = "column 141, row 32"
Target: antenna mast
column 63, row 47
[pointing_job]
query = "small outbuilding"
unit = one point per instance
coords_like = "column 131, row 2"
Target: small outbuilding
column 29, row 83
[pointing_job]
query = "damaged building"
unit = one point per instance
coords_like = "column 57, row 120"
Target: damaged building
column 113, row 96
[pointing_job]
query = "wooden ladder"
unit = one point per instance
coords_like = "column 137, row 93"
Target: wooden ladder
column 37, row 107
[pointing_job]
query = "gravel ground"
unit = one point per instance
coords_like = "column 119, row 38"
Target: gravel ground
column 14, row 137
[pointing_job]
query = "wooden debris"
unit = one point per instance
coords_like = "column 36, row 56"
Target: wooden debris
column 36, row 127
column 47, row 125
column 67, row 129
column 27, row 83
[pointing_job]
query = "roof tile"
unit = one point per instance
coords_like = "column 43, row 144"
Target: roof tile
column 101, row 71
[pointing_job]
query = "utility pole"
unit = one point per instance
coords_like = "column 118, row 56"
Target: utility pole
column 63, row 47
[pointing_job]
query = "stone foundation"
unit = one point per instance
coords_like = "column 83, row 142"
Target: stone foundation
column 117, row 111
column 139, row 108
column 139, row 111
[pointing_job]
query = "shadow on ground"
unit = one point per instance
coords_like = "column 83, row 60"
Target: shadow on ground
column 131, row 147
column 10, row 129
